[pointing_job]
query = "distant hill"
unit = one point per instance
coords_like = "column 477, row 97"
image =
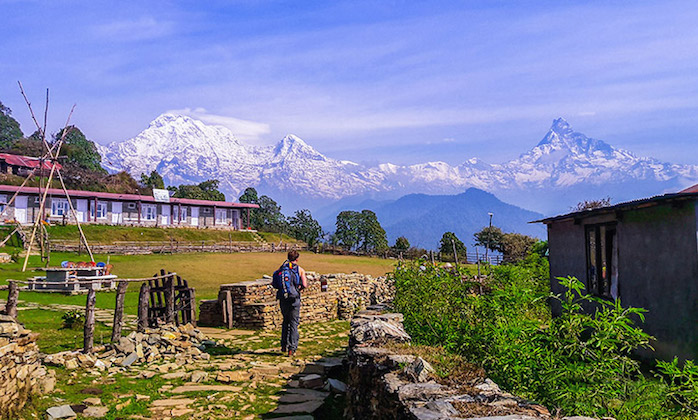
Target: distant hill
column 424, row 218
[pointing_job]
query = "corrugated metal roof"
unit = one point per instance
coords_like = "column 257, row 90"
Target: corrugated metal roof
column 628, row 205
column 27, row 161
column 693, row 189
column 126, row 197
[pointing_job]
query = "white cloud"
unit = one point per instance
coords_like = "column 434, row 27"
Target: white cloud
column 246, row 130
column 134, row 30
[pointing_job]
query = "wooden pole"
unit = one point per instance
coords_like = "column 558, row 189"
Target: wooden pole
column 12, row 297
column 38, row 219
column 192, row 306
column 119, row 311
column 88, row 340
column 143, row 307
column 455, row 253
column 75, row 214
column 229, row 309
column 169, row 300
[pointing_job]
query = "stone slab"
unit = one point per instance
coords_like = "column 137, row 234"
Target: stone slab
column 304, row 407
column 213, row 388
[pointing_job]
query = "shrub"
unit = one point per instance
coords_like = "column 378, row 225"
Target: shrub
column 73, row 319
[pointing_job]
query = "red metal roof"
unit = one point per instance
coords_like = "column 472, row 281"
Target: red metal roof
column 693, row 189
column 126, row 197
column 27, row 161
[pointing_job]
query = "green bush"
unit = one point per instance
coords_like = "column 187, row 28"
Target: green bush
column 73, row 319
column 580, row 363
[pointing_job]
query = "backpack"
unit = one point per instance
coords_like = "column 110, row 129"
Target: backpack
column 287, row 280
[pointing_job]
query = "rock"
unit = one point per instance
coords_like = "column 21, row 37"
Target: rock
column 364, row 331
column 129, row 360
column 304, row 407
column 60, row 412
column 233, row 376
column 92, row 401
column 91, row 391
column 71, row 364
column 419, row 370
column 172, row 402
column 311, row 381
column 198, row 376
column 206, row 388
column 337, row 386
column 125, row 345
column 97, row 412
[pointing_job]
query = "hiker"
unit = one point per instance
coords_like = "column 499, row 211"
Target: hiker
column 289, row 280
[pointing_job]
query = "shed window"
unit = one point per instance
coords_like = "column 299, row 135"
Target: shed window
column 148, row 211
column 221, row 216
column 101, row 211
column 180, row 217
column 602, row 256
column 59, row 207
column 3, row 202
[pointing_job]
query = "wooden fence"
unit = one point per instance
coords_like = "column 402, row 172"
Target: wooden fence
column 163, row 298
column 171, row 247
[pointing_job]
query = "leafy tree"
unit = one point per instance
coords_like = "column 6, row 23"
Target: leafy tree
column 121, row 183
column 401, row 244
column 489, row 237
column 249, row 196
column 592, row 204
column 515, row 246
column 268, row 216
column 9, row 128
column 304, row 227
column 207, row 190
column 154, row 180
column 80, row 151
column 371, row 233
column 446, row 247
column 347, row 225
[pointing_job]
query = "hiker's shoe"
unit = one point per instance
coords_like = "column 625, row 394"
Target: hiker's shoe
column 291, row 353
column 283, row 350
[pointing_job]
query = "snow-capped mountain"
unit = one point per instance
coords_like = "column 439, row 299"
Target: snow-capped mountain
column 563, row 168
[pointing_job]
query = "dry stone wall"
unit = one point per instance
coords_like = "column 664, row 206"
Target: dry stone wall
column 21, row 371
column 255, row 306
column 387, row 384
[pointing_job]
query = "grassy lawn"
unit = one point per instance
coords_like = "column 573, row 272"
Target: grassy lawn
column 53, row 337
column 204, row 271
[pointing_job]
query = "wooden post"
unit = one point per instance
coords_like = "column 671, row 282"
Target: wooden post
column 12, row 296
column 169, row 300
column 192, row 306
column 143, row 307
column 119, row 311
column 455, row 253
column 88, row 339
column 229, row 309
column 230, row 241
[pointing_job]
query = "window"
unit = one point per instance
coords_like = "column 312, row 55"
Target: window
column 59, row 207
column 148, row 211
column 221, row 216
column 206, row 210
column 131, row 206
column 101, row 211
column 3, row 202
column 602, row 260
column 177, row 217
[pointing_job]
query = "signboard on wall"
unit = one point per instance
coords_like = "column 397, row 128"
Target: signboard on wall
column 161, row 196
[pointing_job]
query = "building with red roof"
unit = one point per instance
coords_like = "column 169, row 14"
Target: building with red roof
column 22, row 165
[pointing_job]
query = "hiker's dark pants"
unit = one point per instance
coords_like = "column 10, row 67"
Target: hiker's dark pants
column 291, row 311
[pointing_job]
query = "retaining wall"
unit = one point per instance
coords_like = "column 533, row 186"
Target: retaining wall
column 255, row 306
column 21, row 371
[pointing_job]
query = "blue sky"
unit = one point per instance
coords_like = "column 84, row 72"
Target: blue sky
column 398, row 81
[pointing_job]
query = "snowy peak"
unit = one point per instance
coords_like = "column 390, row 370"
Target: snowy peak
column 295, row 146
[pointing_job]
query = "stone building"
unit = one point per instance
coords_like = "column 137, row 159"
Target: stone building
column 643, row 252
column 121, row 209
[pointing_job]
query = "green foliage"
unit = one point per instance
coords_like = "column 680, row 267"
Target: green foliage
column 580, row 362
column 249, row 196
column 360, row 231
column 489, row 237
column 515, row 246
column 449, row 240
column 154, row 180
column 73, row 319
column 81, row 152
column 401, row 244
column 268, row 216
column 207, row 190
column 9, row 128
column 302, row 226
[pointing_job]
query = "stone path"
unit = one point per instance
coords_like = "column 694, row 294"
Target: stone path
column 245, row 378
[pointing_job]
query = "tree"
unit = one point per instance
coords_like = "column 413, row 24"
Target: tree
column 249, row 196
column 446, row 247
column 515, row 246
column 371, row 234
column 302, row 226
column 489, row 237
column 268, row 216
column 9, row 128
column 592, row 204
column 207, row 190
column 154, row 180
column 401, row 244
column 347, row 225
column 80, row 151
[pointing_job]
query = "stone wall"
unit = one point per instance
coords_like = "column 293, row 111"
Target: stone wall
column 21, row 371
column 255, row 306
column 385, row 383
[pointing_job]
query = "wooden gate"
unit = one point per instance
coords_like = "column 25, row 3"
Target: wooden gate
column 170, row 300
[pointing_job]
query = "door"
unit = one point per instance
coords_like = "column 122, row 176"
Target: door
column 195, row 216
column 116, row 213
column 164, row 214
column 81, row 210
column 21, row 208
